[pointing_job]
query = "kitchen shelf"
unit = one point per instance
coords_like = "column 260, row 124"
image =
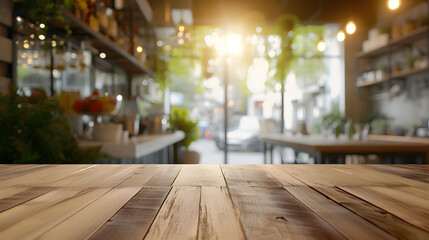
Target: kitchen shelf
column 417, row 34
column 397, row 75
column 113, row 53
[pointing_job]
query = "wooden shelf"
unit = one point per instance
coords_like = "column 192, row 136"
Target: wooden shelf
column 114, row 54
column 397, row 75
column 370, row 83
column 418, row 33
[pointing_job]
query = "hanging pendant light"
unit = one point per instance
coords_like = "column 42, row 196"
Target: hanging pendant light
column 341, row 36
column 351, row 27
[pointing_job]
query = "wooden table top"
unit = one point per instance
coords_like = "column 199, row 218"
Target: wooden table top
column 342, row 144
column 214, row 201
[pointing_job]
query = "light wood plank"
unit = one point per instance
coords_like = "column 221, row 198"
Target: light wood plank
column 9, row 191
column 32, row 207
column 276, row 172
column 248, row 175
column 178, row 217
column 153, row 175
column 412, row 209
column 200, row 175
column 346, row 222
column 379, row 217
column 381, row 178
column 35, row 225
column 22, row 197
column 44, row 176
column 92, row 217
column 218, row 218
column 98, row 176
column 135, row 218
column 415, row 172
column 274, row 213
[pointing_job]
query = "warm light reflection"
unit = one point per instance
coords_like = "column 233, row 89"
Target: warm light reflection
column 102, row 55
column 393, row 4
column 351, row 27
column 258, row 29
column 139, row 49
column 234, row 44
column 181, row 28
column 321, row 46
column 341, row 36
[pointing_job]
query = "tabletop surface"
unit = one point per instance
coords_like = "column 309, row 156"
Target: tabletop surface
column 330, row 143
column 214, row 201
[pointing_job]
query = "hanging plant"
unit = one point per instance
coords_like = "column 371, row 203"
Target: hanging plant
column 44, row 11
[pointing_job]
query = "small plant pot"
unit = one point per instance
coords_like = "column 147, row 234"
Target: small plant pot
column 191, row 157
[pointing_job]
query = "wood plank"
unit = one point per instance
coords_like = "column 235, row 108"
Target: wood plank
column 9, row 191
column 274, row 213
column 178, row 217
column 248, row 175
column 92, row 217
column 276, row 172
column 5, row 50
column 379, row 217
column 412, row 209
column 135, row 218
column 200, row 175
column 415, row 172
column 153, row 175
column 20, row 212
column 382, row 178
column 98, row 176
column 346, row 222
column 6, row 12
column 218, row 218
column 22, row 197
column 13, row 169
column 35, row 225
column 44, row 176
column 305, row 174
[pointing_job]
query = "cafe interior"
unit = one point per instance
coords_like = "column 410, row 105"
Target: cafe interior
column 214, row 119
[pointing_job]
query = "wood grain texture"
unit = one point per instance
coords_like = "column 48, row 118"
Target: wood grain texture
column 36, row 205
column 22, row 197
column 89, row 219
column 248, row 175
column 382, row 178
column 218, row 218
column 134, row 219
column 274, row 213
column 178, row 217
column 346, row 222
column 153, row 175
column 412, row 209
column 377, row 216
column 276, row 172
column 35, row 225
column 415, row 172
column 42, row 177
column 200, row 175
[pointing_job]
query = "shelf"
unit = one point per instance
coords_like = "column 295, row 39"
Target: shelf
column 370, row 83
column 418, row 33
column 397, row 75
column 103, row 44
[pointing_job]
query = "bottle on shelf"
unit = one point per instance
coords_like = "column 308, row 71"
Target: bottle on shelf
column 92, row 17
column 112, row 29
column 102, row 17
column 139, row 50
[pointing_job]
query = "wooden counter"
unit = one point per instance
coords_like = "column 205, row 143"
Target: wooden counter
column 214, row 201
column 321, row 147
column 136, row 147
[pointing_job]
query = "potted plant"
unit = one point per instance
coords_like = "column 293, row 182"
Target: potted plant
column 179, row 119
